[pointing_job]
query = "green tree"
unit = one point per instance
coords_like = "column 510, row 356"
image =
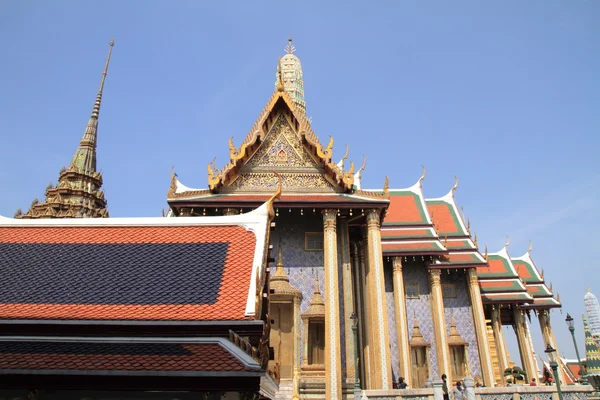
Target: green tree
column 517, row 373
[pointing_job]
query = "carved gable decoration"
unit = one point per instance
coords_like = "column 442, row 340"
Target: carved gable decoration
column 281, row 139
column 282, row 150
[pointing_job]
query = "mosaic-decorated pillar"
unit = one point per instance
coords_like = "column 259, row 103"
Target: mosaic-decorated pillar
column 365, row 322
column 379, row 338
column 524, row 344
column 401, row 322
column 368, row 309
column 548, row 335
column 344, row 237
column 333, row 367
column 358, row 306
column 439, row 324
column 500, row 342
column 485, row 359
column 297, row 354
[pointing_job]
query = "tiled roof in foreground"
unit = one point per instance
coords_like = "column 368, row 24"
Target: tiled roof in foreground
column 195, row 268
column 142, row 356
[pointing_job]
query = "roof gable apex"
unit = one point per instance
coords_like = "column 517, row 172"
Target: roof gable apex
column 280, row 103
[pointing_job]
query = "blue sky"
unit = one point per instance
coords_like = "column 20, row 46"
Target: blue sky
column 504, row 95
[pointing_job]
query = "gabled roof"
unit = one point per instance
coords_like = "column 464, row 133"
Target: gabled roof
column 500, row 283
column 534, row 281
column 238, row 156
column 189, row 268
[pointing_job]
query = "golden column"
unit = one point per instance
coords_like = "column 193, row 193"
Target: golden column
column 297, row 354
column 365, row 322
column 333, row 366
column 344, row 237
column 359, row 304
column 487, row 370
column 379, row 337
column 500, row 341
column 401, row 322
column 548, row 335
column 439, row 324
column 523, row 341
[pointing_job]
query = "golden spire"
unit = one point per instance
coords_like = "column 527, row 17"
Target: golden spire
column 84, row 159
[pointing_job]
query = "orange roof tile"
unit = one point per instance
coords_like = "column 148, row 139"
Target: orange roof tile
column 405, row 208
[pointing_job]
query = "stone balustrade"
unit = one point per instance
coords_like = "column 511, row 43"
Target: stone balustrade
column 516, row 392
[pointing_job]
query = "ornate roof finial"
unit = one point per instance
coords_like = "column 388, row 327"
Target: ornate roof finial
column 422, row 178
column 290, row 48
column 475, row 239
column 361, row 169
column 341, row 163
column 469, row 225
column 455, row 185
column 386, row 187
column 530, row 247
column 507, row 242
column 486, row 253
column 276, row 195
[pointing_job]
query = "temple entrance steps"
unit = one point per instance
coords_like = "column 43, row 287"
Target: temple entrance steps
column 286, row 390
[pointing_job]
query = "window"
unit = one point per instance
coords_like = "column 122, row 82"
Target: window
column 313, row 241
column 411, row 290
column 457, row 358
column 448, row 290
column 316, row 342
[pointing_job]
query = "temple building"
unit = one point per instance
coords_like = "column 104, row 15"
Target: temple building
column 367, row 285
column 404, row 268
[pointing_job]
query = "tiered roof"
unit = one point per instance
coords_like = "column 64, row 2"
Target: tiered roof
column 78, row 193
column 407, row 228
column 500, row 282
column 462, row 248
column 534, row 282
